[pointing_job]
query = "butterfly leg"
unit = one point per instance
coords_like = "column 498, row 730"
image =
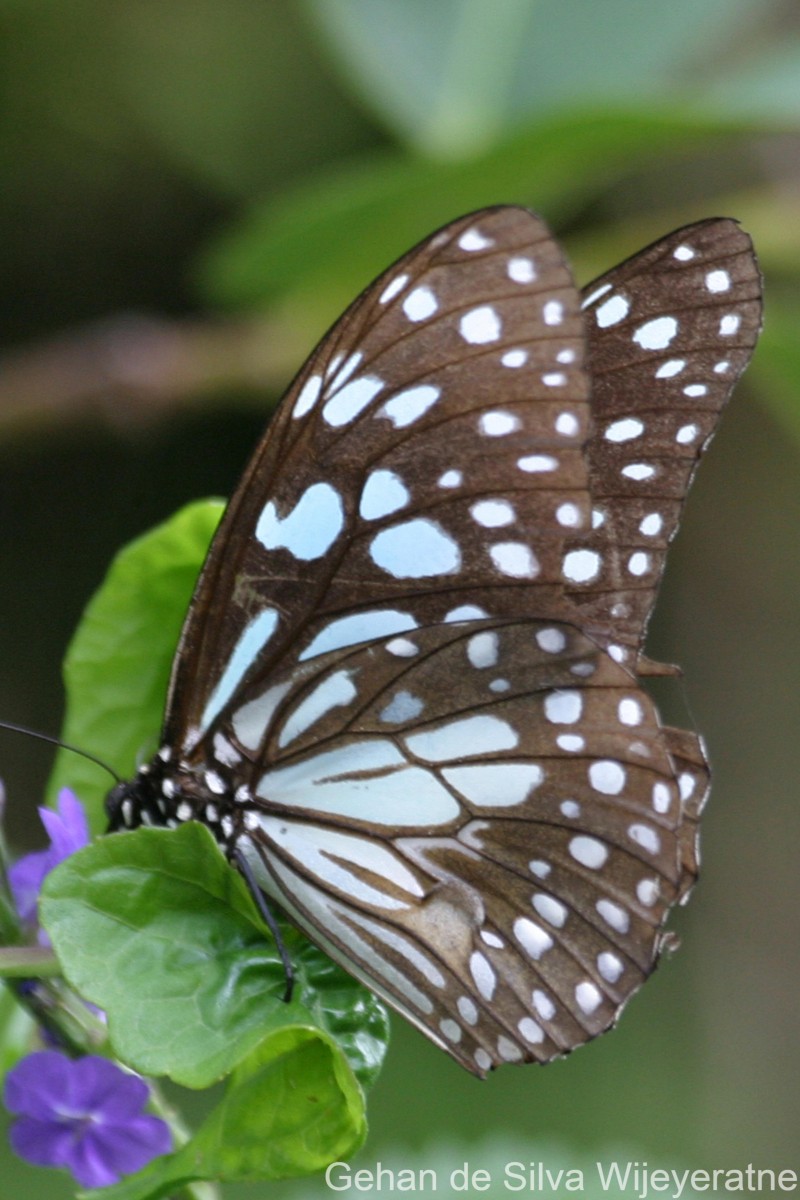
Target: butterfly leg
column 261, row 903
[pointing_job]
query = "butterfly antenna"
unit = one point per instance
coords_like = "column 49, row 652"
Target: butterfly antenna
column 54, row 741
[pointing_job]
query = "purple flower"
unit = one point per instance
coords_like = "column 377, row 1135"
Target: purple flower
column 84, row 1114
column 68, row 831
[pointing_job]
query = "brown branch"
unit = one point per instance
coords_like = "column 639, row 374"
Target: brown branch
column 132, row 369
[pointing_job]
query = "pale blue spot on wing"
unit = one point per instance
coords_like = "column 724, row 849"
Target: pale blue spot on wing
column 251, row 642
column 384, row 493
column 363, row 781
column 402, row 707
column 335, row 691
column 359, row 627
column 310, row 529
column 466, row 737
column 495, row 785
column 415, row 549
column 353, row 398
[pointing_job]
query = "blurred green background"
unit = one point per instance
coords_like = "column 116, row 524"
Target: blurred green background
column 191, row 191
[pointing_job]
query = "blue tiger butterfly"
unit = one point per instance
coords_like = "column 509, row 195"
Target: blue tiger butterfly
column 407, row 693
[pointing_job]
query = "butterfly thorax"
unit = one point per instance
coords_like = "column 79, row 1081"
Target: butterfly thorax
column 168, row 793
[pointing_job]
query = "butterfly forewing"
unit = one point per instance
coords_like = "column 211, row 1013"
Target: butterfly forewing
column 416, row 466
column 407, row 685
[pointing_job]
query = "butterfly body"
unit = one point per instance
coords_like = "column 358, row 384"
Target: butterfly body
column 407, row 688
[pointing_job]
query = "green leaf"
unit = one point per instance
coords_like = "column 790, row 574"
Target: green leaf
column 451, row 77
column 291, row 1109
column 302, row 253
column 156, row 929
column 301, row 1082
column 117, row 666
column 349, row 1012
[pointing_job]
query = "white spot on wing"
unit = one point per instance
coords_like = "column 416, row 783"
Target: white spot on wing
column 515, row 559
column 308, row 396
column 589, row 997
column 656, row 334
column 553, row 312
column 480, row 325
column 482, row 974
column 673, row 366
column 482, row 650
column 392, row 288
column 534, row 463
column 596, row 294
column 614, row 915
column 521, row 270
column 402, row 707
column 498, row 424
column 612, row 311
column 624, row 430
column 588, row 851
column 492, row 514
column 607, row 776
column 563, row 707
column 473, row 239
column 581, row 566
column 534, row 940
column 420, row 304
column 718, row 281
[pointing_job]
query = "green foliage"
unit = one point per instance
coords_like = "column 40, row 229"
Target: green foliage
column 155, row 928
column 452, row 77
column 300, row 251
column 117, row 666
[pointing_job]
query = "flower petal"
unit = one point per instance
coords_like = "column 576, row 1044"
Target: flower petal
column 83, row 1114
column 43, row 1143
column 25, row 879
column 67, row 828
column 38, row 1085
column 112, row 1095
column 131, row 1146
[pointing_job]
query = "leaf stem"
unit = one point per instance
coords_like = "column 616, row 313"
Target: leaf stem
column 28, row 962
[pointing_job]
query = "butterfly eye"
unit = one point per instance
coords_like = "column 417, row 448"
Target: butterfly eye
column 407, row 698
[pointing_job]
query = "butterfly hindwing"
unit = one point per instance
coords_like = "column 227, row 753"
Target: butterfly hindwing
column 669, row 333
column 471, row 816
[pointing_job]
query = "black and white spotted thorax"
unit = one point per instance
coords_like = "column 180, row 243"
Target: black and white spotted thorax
column 166, row 792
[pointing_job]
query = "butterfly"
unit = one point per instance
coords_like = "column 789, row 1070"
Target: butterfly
column 408, row 689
